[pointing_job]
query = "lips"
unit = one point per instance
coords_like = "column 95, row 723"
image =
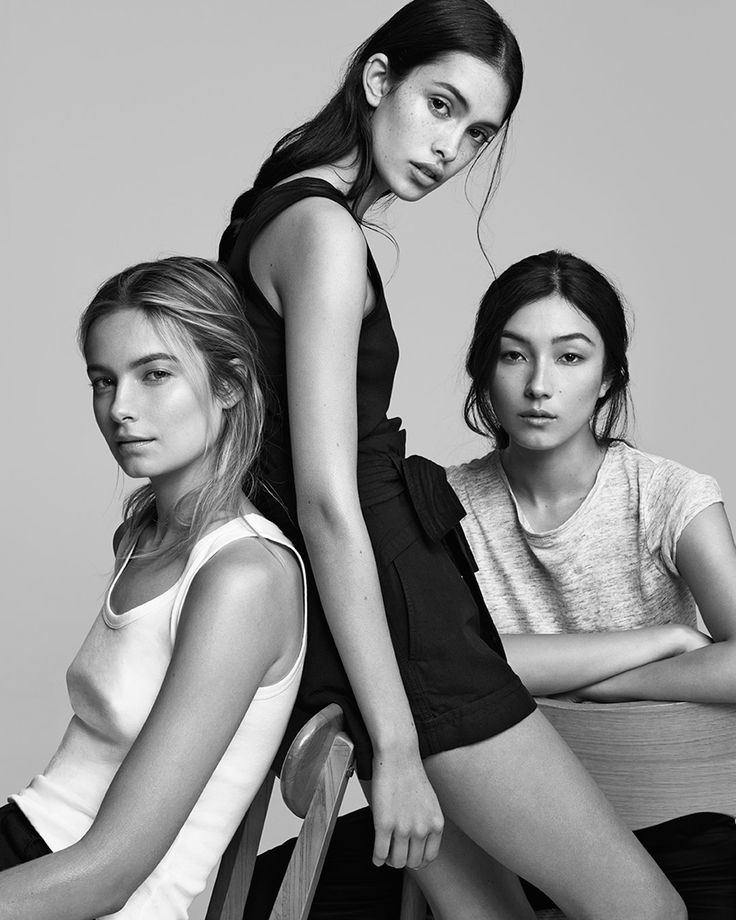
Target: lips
column 537, row 413
column 131, row 443
column 432, row 172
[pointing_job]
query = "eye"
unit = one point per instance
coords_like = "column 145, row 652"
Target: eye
column 439, row 107
column 479, row 137
column 101, row 384
column 156, row 376
column 571, row 358
column 511, row 357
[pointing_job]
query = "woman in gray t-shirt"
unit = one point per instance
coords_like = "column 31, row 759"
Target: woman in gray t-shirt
column 592, row 555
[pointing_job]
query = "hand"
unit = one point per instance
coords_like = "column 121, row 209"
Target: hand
column 406, row 814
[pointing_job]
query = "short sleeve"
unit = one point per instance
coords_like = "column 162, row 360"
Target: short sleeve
column 457, row 481
column 673, row 496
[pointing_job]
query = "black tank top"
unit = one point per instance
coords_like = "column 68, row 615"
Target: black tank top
column 381, row 442
column 414, row 495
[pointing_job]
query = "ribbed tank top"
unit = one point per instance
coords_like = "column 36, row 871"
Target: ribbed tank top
column 113, row 683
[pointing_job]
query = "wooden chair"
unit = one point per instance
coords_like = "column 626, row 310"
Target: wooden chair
column 654, row 761
column 314, row 775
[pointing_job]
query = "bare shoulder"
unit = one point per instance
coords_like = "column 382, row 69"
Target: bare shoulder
column 312, row 227
column 254, row 578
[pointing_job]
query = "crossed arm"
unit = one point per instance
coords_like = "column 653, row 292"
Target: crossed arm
column 655, row 663
column 236, row 632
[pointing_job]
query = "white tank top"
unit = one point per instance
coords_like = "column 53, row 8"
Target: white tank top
column 113, row 683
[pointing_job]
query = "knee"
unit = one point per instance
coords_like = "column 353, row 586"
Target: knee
column 669, row 907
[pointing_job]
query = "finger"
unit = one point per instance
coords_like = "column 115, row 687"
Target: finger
column 415, row 853
column 381, row 845
column 399, row 850
column 432, row 847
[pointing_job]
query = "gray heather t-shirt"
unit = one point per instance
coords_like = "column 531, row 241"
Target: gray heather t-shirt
column 609, row 566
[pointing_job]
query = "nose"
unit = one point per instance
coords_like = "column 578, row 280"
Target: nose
column 447, row 145
column 538, row 384
column 122, row 407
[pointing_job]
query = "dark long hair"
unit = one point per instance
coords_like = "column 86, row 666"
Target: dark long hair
column 584, row 288
column 417, row 34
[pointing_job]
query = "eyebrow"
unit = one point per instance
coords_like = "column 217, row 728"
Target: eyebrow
column 139, row 362
column 464, row 102
column 570, row 337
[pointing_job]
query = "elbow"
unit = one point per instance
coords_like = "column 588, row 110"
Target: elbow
column 113, row 877
column 327, row 518
column 116, row 888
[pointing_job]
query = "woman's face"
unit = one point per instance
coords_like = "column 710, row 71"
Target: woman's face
column 430, row 125
column 548, row 375
column 156, row 420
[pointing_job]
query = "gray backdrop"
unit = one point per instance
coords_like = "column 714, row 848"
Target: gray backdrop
column 133, row 126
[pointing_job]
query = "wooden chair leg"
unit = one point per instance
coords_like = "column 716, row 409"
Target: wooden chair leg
column 238, row 860
column 294, row 899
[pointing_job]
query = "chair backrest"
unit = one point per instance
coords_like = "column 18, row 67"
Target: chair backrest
column 313, row 779
column 654, row 761
column 314, row 775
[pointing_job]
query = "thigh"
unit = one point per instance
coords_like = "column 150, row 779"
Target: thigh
column 525, row 799
column 465, row 883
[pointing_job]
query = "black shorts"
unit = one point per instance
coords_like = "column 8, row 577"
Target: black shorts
column 460, row 687
column 19, row 840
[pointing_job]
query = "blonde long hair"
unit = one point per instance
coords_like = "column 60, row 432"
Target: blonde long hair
column 194, row 305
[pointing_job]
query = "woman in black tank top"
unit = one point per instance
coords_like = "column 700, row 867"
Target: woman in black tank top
column 468, row 783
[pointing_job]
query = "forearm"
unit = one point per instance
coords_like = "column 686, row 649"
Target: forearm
column 550, row 664
column 345, row 571
column 67, row 885
column 706, row 675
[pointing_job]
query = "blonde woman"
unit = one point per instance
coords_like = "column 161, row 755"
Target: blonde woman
column 183, row 687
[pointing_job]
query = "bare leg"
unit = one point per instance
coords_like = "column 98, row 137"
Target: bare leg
column 465, row 882
column 526, row 800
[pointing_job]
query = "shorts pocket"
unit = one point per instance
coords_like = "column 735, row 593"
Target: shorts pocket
column 439, row 607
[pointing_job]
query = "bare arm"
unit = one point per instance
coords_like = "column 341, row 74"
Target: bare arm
column 319, row 272
column 706, row 559
column 558, row 663
column 236, row 630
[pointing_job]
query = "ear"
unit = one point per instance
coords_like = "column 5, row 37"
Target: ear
column 232, row 392
column 605, row 386
column 376, row 82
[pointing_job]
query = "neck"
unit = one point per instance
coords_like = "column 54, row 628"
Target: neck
column 544, row 476
column 169, row 490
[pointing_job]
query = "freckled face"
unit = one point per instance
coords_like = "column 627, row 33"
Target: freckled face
column 548, row 376
column 433, row 123
column 156, row 421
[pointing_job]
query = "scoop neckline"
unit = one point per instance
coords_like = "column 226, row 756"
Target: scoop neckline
column 546, row 535
column 133, row 613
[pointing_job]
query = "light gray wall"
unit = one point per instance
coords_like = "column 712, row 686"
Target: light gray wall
column 132, row 126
